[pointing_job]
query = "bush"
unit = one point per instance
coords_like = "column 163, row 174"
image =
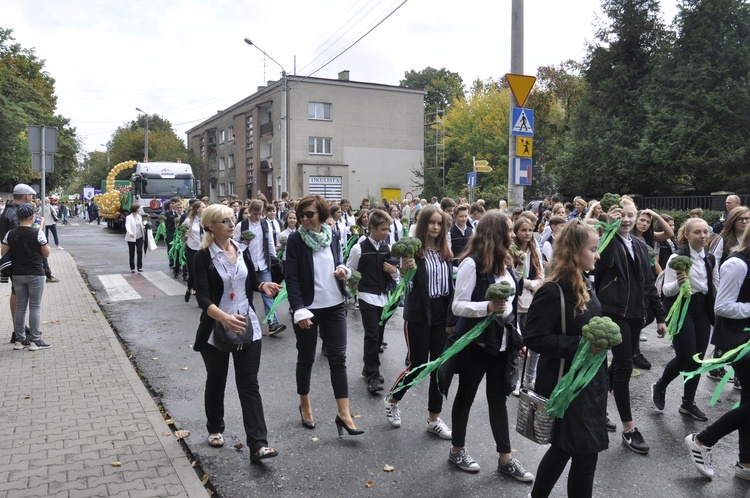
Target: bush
column 680, row 217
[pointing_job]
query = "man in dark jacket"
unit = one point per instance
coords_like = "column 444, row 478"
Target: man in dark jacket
column 731, row 202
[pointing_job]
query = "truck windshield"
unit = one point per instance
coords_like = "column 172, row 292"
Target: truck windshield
column 168, row 187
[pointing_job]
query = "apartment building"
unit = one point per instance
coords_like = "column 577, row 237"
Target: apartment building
column 338, row 138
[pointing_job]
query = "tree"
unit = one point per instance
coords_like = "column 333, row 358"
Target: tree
column 700, row 113
column 605, row 151
column 27, row 98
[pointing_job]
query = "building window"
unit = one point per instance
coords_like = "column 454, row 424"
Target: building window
column 203, row 148
column 249, row 134
column 230, row 133
column 231, row 188
column 249, row 164
column 222, row 163
column 230, row 161
column 222, row 189
column 319, row 110
column 320, row 145
column 222, row 136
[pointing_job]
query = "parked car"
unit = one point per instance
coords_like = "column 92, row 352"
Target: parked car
column 533, row 206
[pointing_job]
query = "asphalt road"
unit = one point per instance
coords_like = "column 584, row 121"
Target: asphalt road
column 159, row 330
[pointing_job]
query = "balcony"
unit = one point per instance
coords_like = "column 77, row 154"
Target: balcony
column 266, row 165
column 266, row 128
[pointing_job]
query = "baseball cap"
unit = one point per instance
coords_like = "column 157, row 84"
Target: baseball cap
column 25, row 211
column 23, row 189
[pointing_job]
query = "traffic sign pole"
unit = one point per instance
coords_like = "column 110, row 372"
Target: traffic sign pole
column 515, row 192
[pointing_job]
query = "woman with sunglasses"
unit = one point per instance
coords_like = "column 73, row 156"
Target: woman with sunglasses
column 315, row 283
column 225, row 280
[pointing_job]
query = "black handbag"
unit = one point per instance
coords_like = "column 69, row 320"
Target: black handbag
column 229, row 341
column 6, row 265
column 533, row 422
column 277, row 274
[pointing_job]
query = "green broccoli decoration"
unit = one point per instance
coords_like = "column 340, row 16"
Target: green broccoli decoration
column 247, row 235
column 354, row 230
column 609, row 200
column 678, row 311
column 162, row 218
column 283, row 239
column 406, row 247
column 355, row 278
column 183, row 230
column 405, row 221
column 602, row 332
column 501, row 291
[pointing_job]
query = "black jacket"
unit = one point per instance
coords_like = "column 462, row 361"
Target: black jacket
column 417, row 302
column 209, row 288
column 619, row 289
column 300, row 274
column 583, row 427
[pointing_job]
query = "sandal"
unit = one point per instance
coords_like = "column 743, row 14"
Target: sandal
column 264, row 452
column 216, row 440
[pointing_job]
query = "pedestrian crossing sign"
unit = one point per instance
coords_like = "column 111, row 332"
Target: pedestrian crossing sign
column 524, row 146
column 523, row 122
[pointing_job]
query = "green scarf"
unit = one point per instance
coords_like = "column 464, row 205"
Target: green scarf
column 317, row 241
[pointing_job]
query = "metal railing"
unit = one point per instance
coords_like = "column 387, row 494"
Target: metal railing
column 675, row 203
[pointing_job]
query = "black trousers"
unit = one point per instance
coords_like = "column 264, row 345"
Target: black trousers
column 332, row 324
column 425, row 342
column 246, row 365
column 190, row 257
column 622, row 363
column 133, row 249
column 474, row 364
column 734, row 420
column 373, row 338
column 580, row 476
column 691, row 339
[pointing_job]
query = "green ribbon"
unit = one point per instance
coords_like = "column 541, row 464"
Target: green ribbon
column 176, row 252
column 280, row 254
column 280, row 297
column 394, row 297
column 349, row 244
column 609, row 233
column 420, row 372
column 583, row 369
column 678, row 311
column 725, row 360
column 161, row 231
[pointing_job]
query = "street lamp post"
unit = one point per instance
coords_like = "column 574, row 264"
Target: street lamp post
column 145, row 154
column 284, row 118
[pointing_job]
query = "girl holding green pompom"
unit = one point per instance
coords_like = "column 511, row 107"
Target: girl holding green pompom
column 692, row 337
column 581, row 433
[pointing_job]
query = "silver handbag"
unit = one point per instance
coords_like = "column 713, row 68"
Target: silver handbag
column 533, row 422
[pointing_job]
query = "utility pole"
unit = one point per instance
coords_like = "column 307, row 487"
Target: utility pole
column 515, row 192
column 437, row 122
column 145, row 154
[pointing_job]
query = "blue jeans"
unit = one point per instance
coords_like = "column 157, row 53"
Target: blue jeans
column 265, row 276
column 29, row 290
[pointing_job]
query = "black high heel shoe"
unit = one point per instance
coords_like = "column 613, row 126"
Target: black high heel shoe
column 306, row 424
column 340, row 426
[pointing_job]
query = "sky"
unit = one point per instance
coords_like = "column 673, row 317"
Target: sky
column 186, row 59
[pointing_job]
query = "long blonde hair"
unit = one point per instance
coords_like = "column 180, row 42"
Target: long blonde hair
column 565, row 265
column 211, row 214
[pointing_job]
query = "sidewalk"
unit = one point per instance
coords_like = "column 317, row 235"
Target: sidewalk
column 68, row 412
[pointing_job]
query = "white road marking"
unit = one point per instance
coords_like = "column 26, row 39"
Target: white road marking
column 165, row 283
column 117, row 288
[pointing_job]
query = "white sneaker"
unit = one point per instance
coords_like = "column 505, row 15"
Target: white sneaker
column 644, row 337
column 701, row 456
column 439, row 428
column 60, row 248
column 20, row 345
column 392, row 412
column 741, row 472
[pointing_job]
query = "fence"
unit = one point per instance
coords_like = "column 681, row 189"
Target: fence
column 686, row 203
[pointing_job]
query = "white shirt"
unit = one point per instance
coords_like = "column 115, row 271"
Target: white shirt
column 629, row 244
column 256, row 245
column 194, row 235
column 396, row 228
column 733, row 273
column 697, row 275
column 233, row 276
column 326, row 292
column 378, row 300
column 466, row 281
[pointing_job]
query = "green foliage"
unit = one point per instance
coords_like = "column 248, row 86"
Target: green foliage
column 406, row 247
column 500, row 291
column 602, row 332
column 443, row 87
column 681, row 263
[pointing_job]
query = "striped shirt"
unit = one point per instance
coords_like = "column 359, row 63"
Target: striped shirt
column 439, row 273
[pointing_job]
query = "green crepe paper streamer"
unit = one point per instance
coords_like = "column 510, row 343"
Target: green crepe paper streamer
column 405, row 231
column 678, row 311
column 280, row 297
column 720, row 386
column 177, row 251
column 394, row 297
column 583, row 369
column 725, row 360
column 349, row 244
column 280, row 254
column 609, row 233
column 420, row 372
column 161, row 232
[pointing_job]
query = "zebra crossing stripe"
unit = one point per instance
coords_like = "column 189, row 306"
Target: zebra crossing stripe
column 165, row 283
column 117, row 288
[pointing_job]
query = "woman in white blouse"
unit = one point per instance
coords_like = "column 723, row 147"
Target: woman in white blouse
column 693, row 336
column 135, row 235
column 193, row 242
column 315, row 275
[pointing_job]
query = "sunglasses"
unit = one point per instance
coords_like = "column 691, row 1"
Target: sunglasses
column 306, row 214
column 226, row 221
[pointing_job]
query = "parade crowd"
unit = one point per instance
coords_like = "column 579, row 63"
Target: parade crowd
column 436, row 263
